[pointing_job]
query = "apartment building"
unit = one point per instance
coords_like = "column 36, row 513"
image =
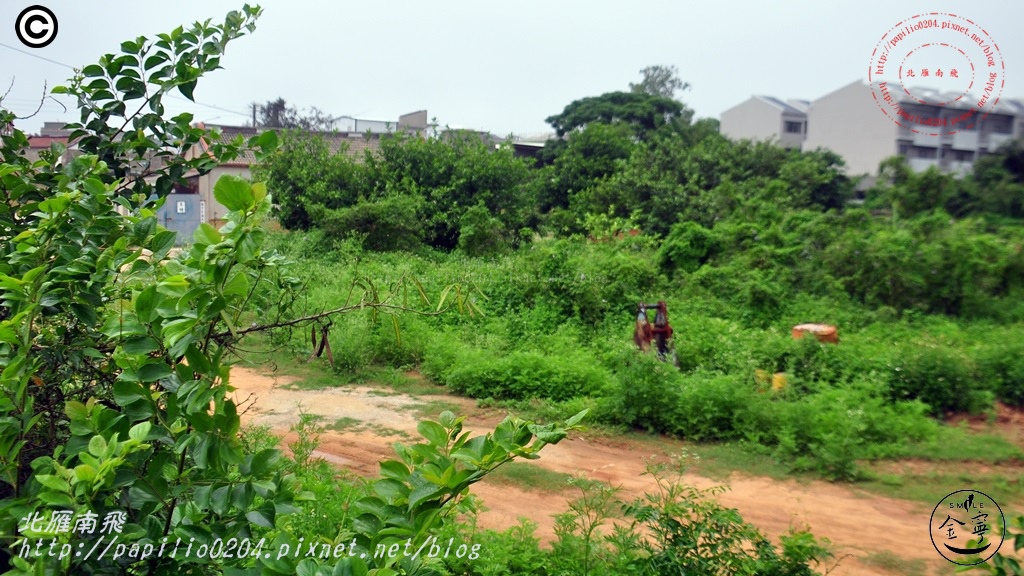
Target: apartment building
column 849, row 122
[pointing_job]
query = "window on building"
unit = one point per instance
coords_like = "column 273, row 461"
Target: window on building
column 962, row 155
column 794, row 127
column 191, row 186
column 903, row 148
column 925, row 152
column 999, row 124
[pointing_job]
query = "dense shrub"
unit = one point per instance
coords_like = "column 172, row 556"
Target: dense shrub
column 1001, row 369
column 943, row 378
column 481, row 234
column 829, row 431
column 528, row 375
column 687, row 247
column 645, row 395
column 394, row 222
column 385, row 197
column 710, row 406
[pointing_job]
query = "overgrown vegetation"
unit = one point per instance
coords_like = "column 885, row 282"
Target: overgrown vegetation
column 116, row 366
column 557, row 328
column 636, row 202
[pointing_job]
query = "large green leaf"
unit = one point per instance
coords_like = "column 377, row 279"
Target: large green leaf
column 433, row 432
column 350, row 567
column 206, row 234
column 154, row 371
column 233, row 192
column 140, row 345
column 126, row 393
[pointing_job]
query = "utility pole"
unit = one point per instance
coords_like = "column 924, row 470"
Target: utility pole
column 254, row 106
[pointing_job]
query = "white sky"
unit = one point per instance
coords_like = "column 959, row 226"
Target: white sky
column 497, row 66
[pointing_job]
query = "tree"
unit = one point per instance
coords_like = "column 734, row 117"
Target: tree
column 409, row 191
column 644, row 112
column 277, row 114
column 303, row 172
column 998, row 181
column 660, row 81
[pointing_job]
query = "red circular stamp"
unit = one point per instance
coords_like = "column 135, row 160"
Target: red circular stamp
column 936, row 73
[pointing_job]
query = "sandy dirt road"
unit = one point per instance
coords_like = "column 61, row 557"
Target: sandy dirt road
column 857, row 524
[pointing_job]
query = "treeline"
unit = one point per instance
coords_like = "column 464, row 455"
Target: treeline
column 752, row 219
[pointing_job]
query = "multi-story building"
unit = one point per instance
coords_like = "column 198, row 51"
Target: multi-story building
column 767, row 118
column 848, row 121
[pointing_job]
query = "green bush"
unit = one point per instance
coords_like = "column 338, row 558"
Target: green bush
column 512, row 552
column 528, row 375
column 1002, row 366
column 393, row 222
column 645, row 395
column 943, row 378
column 829, row 431
column 481, row 234
column 687, row 247
column 709, row 406
column 690, row 532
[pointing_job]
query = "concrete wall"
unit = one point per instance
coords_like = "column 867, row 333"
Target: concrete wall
column 792, row 139
column 415, row 121
column 849, row 123
column 754, row 119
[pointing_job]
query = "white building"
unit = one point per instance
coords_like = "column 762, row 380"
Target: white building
column 767, row 118
column 849, row 122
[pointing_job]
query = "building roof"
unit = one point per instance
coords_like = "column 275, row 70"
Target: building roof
column 42, row 142
column 801, row 105
column 540, row 137
column 787, row 108
column 957, row 100
column 37, row 144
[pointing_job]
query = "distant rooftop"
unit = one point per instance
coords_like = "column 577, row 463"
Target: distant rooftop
column 1014, row 106
column 801, row 105
column 537, row 137
column 784, row 106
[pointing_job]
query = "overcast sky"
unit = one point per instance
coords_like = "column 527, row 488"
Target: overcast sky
column 496, row 66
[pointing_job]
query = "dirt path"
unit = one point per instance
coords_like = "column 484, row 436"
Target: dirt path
column 857, row 525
